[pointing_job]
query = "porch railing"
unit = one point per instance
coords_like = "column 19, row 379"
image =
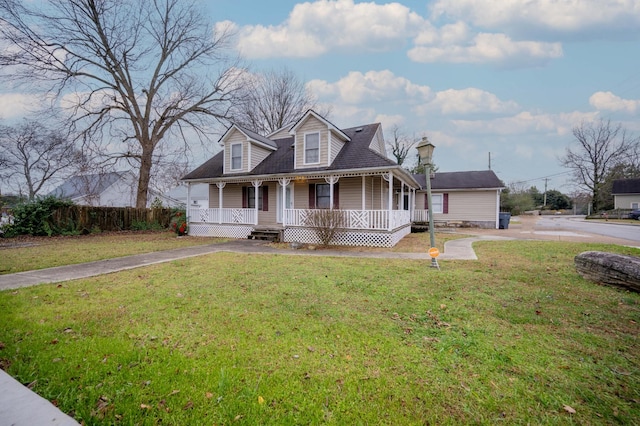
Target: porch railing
column 420, row 216
column 239, row 216
column 355, row 219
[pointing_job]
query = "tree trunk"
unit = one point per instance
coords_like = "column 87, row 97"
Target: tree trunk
column 144, row 178
column 610, row 269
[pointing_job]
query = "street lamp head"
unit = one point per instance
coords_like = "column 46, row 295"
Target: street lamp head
column 425, row 150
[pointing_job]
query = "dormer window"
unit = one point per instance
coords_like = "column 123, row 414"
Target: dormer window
column 236, row 156
column 311, row 148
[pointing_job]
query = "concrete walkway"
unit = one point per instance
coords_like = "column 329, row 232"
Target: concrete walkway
column 19, row 406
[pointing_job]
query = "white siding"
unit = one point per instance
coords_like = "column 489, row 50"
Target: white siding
column 336, row 146
column 377, row 143
column 350, row 193
column 281, row 134
column 472, row 206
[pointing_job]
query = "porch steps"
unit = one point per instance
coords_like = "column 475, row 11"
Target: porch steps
column 273, row 235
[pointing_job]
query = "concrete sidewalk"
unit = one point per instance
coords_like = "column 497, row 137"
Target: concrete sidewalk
column 19, row 406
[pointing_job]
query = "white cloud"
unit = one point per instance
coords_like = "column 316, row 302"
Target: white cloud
column 16, row 105
column 372, row 86
column 313, row 28
column 526, row 123
column 460, row 46
column 594, row 18
column 468, row 101
column 607, row 101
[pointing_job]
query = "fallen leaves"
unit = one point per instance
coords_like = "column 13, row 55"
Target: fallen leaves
column 569, row 409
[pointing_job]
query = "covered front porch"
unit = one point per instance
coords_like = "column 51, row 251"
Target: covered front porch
column 375, row 208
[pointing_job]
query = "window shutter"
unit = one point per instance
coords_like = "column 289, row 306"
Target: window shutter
column 244, row 197
column 336, row 197
column 312, row 195
column 265, row 198
column 445, row 203
column 426, row 201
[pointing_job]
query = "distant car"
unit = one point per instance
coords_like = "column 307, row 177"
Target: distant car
column 635, row 214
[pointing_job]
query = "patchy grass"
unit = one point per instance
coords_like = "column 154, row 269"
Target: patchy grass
column 514, row 338
column 25, row 254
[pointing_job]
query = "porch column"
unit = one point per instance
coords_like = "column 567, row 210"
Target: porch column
column 256, row 185
column 402, row 195
column 389, row 178
column 283, row 183
column 364, row 198
column 220, row 186
column 331, row 180
column 188, row 201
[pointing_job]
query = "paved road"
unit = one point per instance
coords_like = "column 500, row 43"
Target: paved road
column 579, row 224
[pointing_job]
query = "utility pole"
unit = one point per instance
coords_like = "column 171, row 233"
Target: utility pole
column 546, row 180
column 489, row 160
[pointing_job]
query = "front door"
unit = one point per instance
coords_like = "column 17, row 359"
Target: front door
column 288, row 200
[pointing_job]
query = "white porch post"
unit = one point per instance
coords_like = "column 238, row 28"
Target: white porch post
column 188, row 202
column 389, row 177
column 256, row 185
column 331, row 180
column 220, row 186
column 284, row 182
column 364, row 198
column 402, row 196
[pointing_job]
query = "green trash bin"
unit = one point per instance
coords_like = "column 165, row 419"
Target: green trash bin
column 503, row 220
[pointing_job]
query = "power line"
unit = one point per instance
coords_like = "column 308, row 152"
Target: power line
column 545, row 178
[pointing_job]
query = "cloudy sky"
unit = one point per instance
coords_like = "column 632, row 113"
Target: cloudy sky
column 499, row 79
column 506, row 77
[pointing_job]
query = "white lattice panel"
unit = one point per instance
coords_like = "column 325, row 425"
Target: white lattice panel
column 349, row 238
column 223, row 231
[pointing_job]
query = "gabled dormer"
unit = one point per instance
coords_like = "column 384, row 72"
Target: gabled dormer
column 316, row 141
column 244, row 150
column 377, row 143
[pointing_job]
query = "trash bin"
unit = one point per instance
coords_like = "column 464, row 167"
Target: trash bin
column 503, row 221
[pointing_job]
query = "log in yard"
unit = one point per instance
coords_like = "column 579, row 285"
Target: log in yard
column 610, row 269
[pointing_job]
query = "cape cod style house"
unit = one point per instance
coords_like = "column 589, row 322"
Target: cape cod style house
column 277, row 182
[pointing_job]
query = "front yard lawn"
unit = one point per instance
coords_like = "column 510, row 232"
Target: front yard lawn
column 514, row 338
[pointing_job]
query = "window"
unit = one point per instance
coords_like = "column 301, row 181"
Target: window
column 323, row 196
column 634, row 206
column 236, row 156
column 249, row 198
column 436, row 199
column 312, row 148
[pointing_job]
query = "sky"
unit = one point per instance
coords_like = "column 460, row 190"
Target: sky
column 491, row 83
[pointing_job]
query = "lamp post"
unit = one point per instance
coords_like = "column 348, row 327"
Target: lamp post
column 425, row 151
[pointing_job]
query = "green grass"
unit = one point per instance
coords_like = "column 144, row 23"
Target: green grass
column 47, row 252
column 254, row 339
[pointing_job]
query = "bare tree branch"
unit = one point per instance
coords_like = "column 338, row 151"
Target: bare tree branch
column 599, row 147
column 127, row 70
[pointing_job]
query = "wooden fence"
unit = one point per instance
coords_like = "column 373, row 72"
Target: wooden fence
column 87, row 218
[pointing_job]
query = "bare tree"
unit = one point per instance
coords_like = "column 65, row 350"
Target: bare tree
column 35, row 156
column 601, row 146
column 400, row 144
column 272, row 100
column 134, row 73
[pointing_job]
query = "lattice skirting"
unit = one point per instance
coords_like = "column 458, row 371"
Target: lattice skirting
column 223, row 231
column 350, row 238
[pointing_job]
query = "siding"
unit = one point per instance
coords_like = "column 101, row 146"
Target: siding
column 232, row 196
column 377, row 143
column 213, row 197
column 300, row 195
column 282, row 134
column 465, row 205
column 269, row 217
column 336, row 146
column 235, row 137
column 312, row 125
column 258, row 154
column 624, row 201
column 350, row 193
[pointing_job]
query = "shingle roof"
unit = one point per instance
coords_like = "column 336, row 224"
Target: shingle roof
column 626, row 186
column 461, row 180
column 83, row 185
column 355, row 154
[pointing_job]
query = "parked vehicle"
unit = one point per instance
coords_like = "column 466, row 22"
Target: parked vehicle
column 635, row 214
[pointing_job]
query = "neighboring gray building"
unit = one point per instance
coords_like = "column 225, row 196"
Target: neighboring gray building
column 626, row 193
column 114, row 189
